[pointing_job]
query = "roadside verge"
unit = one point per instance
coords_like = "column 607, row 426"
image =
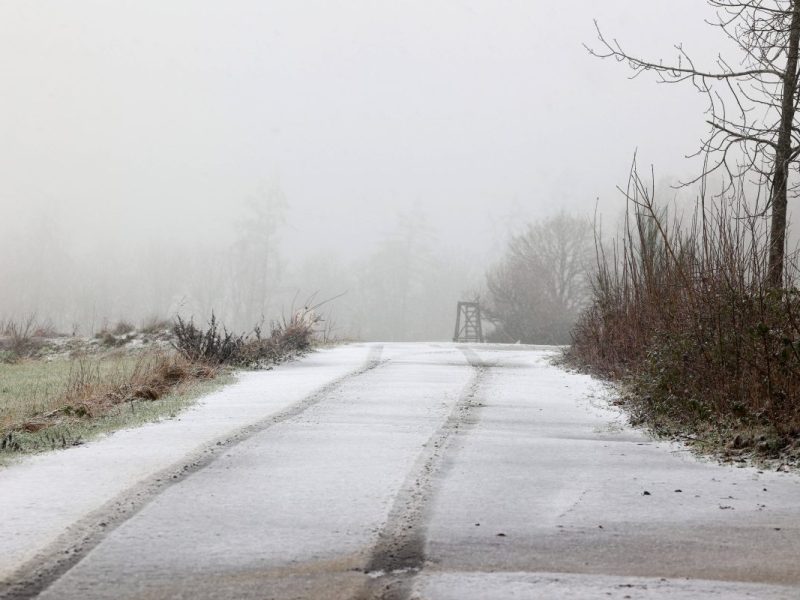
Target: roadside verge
column 44, row 495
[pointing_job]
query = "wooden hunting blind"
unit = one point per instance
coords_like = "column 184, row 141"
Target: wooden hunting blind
column 468, row 323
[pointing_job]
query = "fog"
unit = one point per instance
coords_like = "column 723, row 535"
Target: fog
column 241, row 156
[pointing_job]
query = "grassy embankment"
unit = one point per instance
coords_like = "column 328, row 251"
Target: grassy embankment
column 56, row 393
column 48, row 404
column 703, row 348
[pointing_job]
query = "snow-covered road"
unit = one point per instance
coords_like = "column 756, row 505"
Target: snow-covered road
column 397, row 471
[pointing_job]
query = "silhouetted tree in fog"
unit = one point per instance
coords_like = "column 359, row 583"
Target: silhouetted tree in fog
column 256, row 266
column 538, row 288
column 408, row 287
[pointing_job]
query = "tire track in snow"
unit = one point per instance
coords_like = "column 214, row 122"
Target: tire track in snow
column 79, row 539
column 400, row 551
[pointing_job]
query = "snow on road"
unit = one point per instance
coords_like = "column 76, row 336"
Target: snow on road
column 398, row 471
column 43, row 495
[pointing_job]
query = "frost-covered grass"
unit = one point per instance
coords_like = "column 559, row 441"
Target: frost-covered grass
column 46, row 404
column 30, row 387
column 59, row 392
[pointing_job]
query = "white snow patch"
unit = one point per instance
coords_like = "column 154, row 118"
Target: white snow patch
column 556, row 586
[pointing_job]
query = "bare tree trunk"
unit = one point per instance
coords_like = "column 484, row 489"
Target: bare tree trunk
column 783, row 152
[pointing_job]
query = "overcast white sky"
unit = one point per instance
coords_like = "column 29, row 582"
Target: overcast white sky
column 118, row 116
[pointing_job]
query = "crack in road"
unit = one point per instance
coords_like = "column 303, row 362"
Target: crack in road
column 399, row 553
column 78, row 540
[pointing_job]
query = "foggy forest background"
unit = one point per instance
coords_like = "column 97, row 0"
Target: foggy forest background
column 175, row 162
column 184, row 157
column 405, row 287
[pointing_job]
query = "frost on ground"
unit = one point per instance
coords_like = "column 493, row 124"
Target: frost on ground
column 564, row 586
column 45, row 494
column 439, row 470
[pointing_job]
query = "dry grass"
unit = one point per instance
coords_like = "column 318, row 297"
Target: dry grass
column 682, row 316
column 38, row 398
column 149, row 376
column 55, row 403
column 22, row 338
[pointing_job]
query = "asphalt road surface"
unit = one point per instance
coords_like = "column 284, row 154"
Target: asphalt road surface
column 398, row 471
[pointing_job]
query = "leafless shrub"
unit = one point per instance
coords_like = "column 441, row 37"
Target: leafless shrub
column 329, row 333
column 287, row 338
column 22, row 337
column 123, row 328
column 685, row 316
column 45, row 330
column 210, row 346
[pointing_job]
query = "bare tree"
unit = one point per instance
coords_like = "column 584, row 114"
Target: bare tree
column 752, row 110
column 542, row 282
